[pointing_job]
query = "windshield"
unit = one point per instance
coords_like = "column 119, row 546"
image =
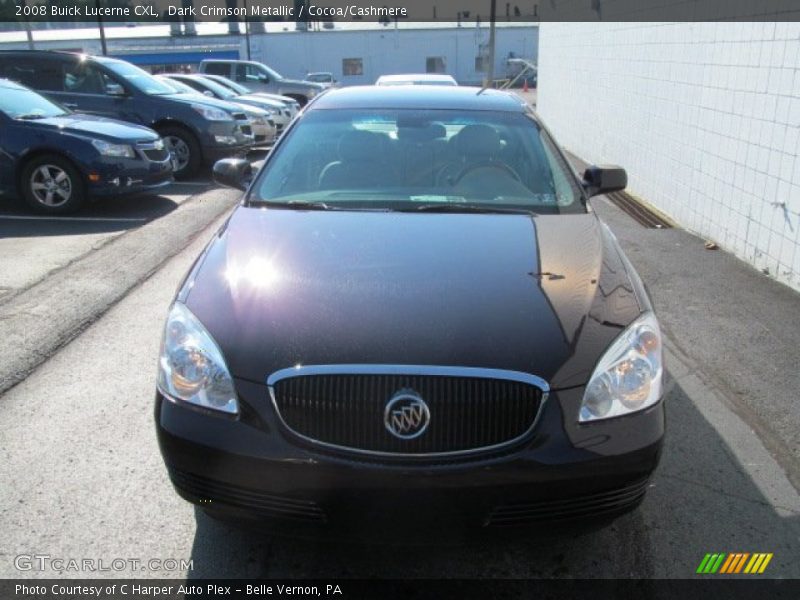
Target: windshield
column 239, row 89
column 178, row 86
column 273, row 74
column 138, row 78
column 219, row 90
column 419, row 160
column 25, row 104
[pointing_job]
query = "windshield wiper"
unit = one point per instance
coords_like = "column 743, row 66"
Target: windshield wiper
column 30, row 117
column 296, row 205
column 446, row 207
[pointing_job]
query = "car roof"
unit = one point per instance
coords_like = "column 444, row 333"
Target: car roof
column 63, row 54
column 227, row 60
column 419, row 97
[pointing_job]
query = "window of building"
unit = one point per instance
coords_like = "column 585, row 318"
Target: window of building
column 352, row 66
column 435, row 64
column 481, row 64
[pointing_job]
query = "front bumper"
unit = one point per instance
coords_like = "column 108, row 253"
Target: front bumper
column 114, row 176
column 263, row 133
column 239, row 136
column 248, row 468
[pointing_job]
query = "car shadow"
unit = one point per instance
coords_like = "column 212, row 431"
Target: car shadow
column 700, row 500
column 108, row 215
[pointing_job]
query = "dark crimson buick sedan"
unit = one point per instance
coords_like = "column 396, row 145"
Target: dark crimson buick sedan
column 413, row 319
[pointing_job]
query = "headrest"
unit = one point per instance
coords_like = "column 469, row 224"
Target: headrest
column 478, row 141
column 439, row 130
column 360, row 146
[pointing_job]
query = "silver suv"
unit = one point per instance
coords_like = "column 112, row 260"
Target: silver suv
column 261, row 78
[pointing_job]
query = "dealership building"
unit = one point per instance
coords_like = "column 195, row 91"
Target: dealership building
column 356, row 53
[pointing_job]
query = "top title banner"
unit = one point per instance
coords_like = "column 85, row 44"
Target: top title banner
column 395, row 10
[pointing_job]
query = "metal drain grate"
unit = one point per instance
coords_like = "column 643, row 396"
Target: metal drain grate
column 637, row 211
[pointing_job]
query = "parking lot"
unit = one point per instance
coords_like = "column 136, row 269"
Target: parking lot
column 82, row 306
column 42, row 244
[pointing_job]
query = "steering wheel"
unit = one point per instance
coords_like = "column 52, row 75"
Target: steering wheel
column 446, row 174
column 483, row 165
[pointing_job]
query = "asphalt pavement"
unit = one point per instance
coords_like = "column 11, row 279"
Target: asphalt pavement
column 83, row 477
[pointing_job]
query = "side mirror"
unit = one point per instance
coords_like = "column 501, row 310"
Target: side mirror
column 604, row 179
column 208, row 93
column 233, row 172
column 264, row 78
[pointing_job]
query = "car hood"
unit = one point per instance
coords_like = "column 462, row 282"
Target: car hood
column 206, row 101
column 251, row 110
column 256, row 100
column 109, row 130
column 543, row 295
column 302, row 83
column 284, row 100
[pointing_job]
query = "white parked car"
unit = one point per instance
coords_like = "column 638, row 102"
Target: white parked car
column 416, row 79
column 322, row 77
column 290, row 106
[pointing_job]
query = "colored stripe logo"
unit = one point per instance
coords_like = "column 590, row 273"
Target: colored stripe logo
column 735, row 562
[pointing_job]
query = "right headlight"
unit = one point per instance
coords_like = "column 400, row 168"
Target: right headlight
column 629, row 376
column 191, row 367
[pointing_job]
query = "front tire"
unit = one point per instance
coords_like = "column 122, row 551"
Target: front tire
column 51, row 184
column 184, row 149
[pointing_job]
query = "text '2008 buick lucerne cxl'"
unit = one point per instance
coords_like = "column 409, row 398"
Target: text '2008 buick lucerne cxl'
column 413, row 319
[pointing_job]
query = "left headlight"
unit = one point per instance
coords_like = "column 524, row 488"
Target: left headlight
column 107, row 149
column 191, row 367
column 628, row 377
column 212, row 114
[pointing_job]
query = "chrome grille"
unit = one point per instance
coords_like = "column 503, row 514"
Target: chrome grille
column 471, row 410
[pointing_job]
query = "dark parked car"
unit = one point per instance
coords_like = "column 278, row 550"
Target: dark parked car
column 195, row 131
column 413, row 319
column 56, row 159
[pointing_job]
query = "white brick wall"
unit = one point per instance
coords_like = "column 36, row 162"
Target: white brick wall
column 705, row 117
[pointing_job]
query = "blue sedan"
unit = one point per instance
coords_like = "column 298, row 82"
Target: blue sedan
column 56, row 160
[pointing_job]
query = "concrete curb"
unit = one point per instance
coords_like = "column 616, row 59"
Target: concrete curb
column 38, row 321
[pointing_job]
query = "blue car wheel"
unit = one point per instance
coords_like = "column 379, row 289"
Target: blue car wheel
column 51, row 184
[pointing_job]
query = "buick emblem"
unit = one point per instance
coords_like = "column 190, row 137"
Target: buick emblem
column 406, row 415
